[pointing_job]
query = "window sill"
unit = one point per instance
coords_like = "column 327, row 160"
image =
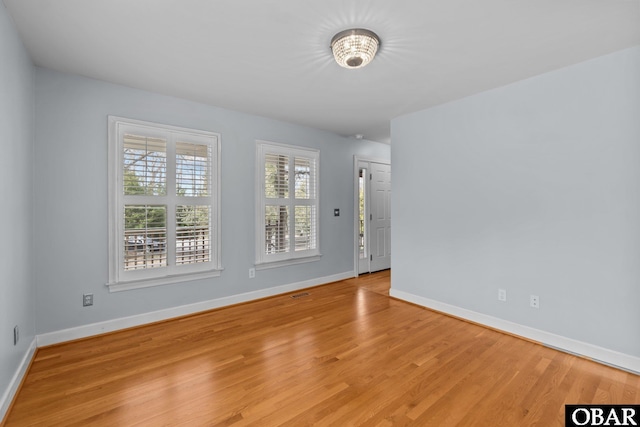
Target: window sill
column 159, row 281
column 275, row 264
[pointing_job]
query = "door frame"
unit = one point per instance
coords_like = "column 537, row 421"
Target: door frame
column 356, row 206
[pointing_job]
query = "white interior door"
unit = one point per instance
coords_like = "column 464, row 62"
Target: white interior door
column 380, row 217
column 373, row 216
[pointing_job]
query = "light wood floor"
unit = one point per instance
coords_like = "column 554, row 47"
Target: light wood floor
column 346, row 354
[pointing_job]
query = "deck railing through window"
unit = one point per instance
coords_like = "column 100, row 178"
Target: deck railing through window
column 147, row 248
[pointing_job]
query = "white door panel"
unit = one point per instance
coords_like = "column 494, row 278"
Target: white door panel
column 381, row 217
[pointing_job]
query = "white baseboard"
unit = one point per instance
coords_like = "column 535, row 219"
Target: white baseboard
column 12, row 388
column 183, row 310
column 598, row 354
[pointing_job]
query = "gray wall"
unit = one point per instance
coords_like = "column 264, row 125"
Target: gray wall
column 16, row 146
column 534, row 188
column 71, row 199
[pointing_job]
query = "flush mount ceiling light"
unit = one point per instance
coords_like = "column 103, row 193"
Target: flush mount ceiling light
column 354, row 48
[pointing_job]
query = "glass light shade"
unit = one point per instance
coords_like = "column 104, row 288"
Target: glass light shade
column 354, row 48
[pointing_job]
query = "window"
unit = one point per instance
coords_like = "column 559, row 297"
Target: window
column 163, row 204
column 287, row 204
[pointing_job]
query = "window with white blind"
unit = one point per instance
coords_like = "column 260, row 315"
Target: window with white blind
column 163, row 204
column 286, row 204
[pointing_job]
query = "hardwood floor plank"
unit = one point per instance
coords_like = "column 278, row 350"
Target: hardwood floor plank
column 345, row 354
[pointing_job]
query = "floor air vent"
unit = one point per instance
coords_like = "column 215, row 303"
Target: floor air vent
column 303, row 294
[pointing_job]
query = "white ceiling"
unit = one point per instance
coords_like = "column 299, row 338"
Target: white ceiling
column 272, row 57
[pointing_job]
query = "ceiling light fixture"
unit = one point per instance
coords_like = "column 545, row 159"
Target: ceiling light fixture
column 354, row 48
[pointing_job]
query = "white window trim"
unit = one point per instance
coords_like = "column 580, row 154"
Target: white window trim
column 116, row 202
column 293, row 261
column 290, row 258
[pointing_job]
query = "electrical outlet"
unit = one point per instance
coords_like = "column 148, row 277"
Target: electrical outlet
column 16, row 335
column 502, row 294
column 252, row 273
column 87, row 300
column 534, row 301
